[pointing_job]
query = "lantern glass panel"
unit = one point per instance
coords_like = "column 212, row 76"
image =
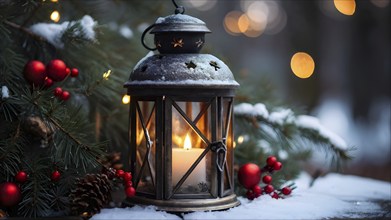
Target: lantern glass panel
column 191, row 125
column 228, row 133
column 146, row 146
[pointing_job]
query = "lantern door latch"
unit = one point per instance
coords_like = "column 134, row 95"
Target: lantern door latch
column 220, row 149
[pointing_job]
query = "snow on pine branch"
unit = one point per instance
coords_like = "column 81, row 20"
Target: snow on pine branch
column 53, row 33
column 282, row 117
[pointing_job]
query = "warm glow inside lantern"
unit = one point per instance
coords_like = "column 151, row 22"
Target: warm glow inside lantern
column 181, row 128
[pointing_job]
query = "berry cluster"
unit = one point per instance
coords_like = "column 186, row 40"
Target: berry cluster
column 37, row 74
column 10, row 193
column 127, row 182
column 249, row 176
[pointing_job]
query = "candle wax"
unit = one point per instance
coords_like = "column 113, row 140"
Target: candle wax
column 182, row 159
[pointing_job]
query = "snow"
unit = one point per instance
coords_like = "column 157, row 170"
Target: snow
column 4, row 92
column 305, row 121
column 189, row 82
column 125, row 31
column 150, row 53
column 371, row 138
column 53, row 32
column 333, row 195
column 179, row 18
column 284, row 116
column 258, row 110
column 281, row 116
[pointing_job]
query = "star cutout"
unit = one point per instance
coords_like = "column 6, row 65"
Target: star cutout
column 178, row 43
column 157, row 43
column 191, row 65
column 199, row 43
column 215, row 65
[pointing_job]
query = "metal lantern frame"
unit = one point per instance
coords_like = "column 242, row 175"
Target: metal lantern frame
column 198, row 90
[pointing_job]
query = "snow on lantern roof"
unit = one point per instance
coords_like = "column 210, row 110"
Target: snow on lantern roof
column 178, row 70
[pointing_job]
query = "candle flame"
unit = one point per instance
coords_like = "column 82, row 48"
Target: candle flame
column 187, row 145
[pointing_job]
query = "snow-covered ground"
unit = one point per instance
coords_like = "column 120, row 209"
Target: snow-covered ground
column 334, row 195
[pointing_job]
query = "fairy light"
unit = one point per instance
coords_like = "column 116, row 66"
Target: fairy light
column 346, row 7
column 125, row 99
column 55, row 16
column 106, row 74
column 240, row 139
column 302, row 65
column 54, row 0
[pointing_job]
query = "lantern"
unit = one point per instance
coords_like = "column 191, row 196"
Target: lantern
column 181, row 121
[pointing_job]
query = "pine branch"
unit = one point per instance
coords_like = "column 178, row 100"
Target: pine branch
column 36, row 196
column 25, row 30
column 285, row 128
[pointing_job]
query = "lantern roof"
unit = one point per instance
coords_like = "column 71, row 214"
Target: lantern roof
column 179, row 23
column 181, row 70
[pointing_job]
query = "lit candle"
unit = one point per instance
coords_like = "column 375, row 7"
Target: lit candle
column 182, row 159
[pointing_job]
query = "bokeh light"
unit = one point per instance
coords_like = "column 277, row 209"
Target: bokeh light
column 231, row 22
column 257, row 17
column 55, row 16
column 201, row 5
column 240, row 139
column 346, row 7
column 125, row 99
column 302, row 65
column 243, row 23
column 381, row 3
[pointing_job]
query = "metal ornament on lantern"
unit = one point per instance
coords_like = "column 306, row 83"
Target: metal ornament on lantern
column 181, row 121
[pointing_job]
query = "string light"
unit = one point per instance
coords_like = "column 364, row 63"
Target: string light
column 106, row 74
column 54, row 0
column 240, row 139
column 125, row 99
column 346, row 7
column 302, row 65
column 55, row 16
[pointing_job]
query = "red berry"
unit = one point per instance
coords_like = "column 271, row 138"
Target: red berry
column 257, row 190
column 249, row 175
column 127, row 176
column 250, row 195
column 74, row 72
column 271, row 160
column 68, row 71
column 56, row 70
column 275, row 196
column 128, row 184
column 119, row 173
column 10, row 194
column 55, row 176
column 130, row 192
column 268, row 189
column 35, row 72
column 267, row 179
column 57, row 91
column 286, row 190
column 21, row 177
column 65, row 95
column 277, row 166
column 48, row 82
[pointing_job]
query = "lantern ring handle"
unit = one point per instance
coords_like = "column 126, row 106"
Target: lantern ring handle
column 178, row 9
column 143, row 36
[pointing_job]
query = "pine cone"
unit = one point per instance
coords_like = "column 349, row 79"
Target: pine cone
column 112, row 160
column 90, row 195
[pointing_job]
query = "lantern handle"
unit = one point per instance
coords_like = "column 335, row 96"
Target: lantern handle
column 143, row 36
column 220, row 149
column 178, row 9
